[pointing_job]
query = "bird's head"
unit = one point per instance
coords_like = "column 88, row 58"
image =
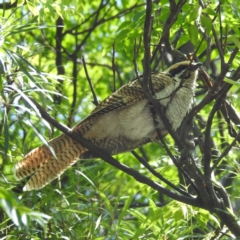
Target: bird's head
column 185, row 72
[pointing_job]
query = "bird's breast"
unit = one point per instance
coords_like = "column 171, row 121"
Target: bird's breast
column 132, row 122
column 135, row 122
column 177, row 103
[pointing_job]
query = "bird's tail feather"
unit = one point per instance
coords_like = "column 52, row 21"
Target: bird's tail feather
column 43, row 166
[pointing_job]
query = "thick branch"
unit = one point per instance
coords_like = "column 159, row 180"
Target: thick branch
column 109, row 159
column 8, row 5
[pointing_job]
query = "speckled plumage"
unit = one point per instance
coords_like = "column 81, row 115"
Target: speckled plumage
column 120, row 123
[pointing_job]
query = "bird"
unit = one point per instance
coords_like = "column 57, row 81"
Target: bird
column 120, row 123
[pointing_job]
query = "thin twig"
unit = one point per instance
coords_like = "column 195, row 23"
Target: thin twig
column 220, row 23
column 172, row 17
column 141, row 205
column 225, row 153
column 98, row 23
column 218, row 45
column 158, row 175
column 146, row 42
column 95, row 101
column 135, row 59
column 113, row 67
column 233, row 55
column 207, row 141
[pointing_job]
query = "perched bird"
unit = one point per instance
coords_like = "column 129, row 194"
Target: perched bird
column 122, row 122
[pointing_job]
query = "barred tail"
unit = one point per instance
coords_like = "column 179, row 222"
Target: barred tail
column 43, row 166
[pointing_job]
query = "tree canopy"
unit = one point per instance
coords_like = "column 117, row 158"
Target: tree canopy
column 59, row 59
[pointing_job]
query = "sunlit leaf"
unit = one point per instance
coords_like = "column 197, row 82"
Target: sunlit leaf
column 98, row 222
column 228, row 80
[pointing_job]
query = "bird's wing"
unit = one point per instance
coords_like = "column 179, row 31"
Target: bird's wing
column 127, row 95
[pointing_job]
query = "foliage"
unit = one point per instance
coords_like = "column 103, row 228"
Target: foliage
column 52, row 51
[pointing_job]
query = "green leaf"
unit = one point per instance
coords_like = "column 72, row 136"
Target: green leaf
column 206, row 23
column 230, row 81
column 193, row 15
column 33, row 8
column 87, row 178
column 18, row 213
column 209, row 11
column 25, row 66
column 139, row 15
column 106, row 201
column 27, row 99
column 124, row 25
column 193, row 34
column 126, row 206
column 234, row 40
column 98, row 222
column 122, row 34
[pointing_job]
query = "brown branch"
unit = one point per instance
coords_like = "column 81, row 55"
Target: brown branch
column 155, row 106
column 59, row 63
column 232, row 114
column 208, row 197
